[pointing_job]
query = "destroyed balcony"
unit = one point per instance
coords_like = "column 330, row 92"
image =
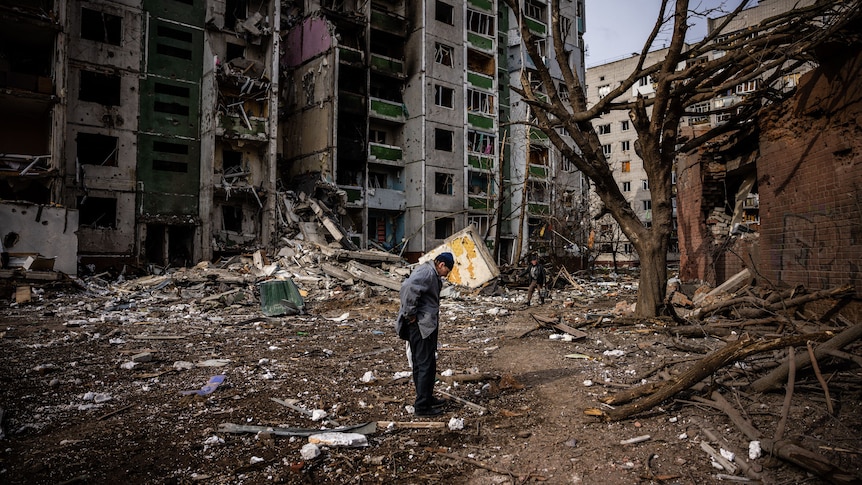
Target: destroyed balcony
column 480, row 202
column 351, row 103
column 386, row 199
column 385, row 154
column 481, row 81
column 354, row 195
column 537, row 135
column 387, row 65
column 480, row 121
column 242, row 127
column 387, row 110
column 388, row 22
column 538, row 171
column 479, row 161
column 349, row 55
column 538, row 208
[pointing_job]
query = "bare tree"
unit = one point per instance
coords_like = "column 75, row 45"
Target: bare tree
column 686, row 76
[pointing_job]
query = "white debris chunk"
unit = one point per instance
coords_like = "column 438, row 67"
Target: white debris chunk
column 318, row 414
column 338, row 439
column 309, row 451
column 754, row 451
column 456, row 423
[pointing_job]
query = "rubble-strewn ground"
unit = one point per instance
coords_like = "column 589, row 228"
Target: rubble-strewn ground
column 77, row 411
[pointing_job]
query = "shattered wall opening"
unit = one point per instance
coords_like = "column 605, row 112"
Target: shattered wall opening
column 101, row 26
column 96, row 149
column 101, row 88
column 169, row 245
column 97, row 212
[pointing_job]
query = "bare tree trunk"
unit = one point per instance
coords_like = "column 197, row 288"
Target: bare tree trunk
column 652, row 285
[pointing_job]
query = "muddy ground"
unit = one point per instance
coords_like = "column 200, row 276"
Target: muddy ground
column 76, row 410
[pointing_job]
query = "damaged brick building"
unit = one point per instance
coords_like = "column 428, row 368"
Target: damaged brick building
column 781, row 197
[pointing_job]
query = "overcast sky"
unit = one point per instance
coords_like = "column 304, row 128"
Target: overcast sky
column 617, row 28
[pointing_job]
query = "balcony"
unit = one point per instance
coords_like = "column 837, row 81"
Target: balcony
column 480, row 42
column 538, row 171
column 387, row 65
column 481, row 202
column 387, row 110
column 386, row 199
column 385, row 154
column 389, row 22
column 480, row 121
column 482, row 162
column 349, row 55
column 486, row 5
column 535, row 26
column 480, row 81
column 538, row 208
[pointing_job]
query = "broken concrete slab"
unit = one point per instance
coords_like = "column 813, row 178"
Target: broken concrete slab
column 474, row 264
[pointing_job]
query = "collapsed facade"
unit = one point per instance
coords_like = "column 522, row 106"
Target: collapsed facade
column 181, row 130
column 778, row 196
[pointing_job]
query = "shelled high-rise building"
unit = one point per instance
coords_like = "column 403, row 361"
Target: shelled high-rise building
column 416, row 92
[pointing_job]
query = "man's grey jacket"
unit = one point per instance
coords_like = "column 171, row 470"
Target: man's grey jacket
column 420, row 296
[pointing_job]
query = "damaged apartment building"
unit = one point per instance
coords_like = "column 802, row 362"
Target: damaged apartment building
column 151, row 122
column 405, row 108
column 167, row 132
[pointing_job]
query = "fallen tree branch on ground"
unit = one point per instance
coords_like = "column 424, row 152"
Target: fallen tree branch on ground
column 701, row 369
column 774, row 379
column 783, row 449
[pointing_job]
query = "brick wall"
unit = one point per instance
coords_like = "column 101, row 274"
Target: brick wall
column 694, row 237
column 810, row 180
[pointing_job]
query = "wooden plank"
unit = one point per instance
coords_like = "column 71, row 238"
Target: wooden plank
column 734, row 283
column 571, row 331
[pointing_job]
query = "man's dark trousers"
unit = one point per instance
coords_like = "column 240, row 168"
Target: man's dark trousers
column 423, row 351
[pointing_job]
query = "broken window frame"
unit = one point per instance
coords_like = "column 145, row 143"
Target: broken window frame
column 444, row 54
column 606, row 149
column 85, row 147
column 111, row 27
column 481, row 143
column 480, row 102
column 480, row 23
column 444, row 183
column 625, row 145
column 99, row 94
column 604, row 129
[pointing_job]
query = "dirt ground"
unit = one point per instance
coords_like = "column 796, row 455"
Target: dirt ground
column 77, row 411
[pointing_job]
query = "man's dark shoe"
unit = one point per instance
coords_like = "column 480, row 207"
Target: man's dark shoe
column 423, row 412
column 437, row 403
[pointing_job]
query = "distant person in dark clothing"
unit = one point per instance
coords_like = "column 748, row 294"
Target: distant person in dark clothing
column 418, row 323
column 537, row 279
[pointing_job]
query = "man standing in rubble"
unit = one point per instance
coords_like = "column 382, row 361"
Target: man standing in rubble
column 537, row 278
column 418, row 323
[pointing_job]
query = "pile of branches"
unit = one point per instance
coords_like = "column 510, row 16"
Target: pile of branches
column 756, row 325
